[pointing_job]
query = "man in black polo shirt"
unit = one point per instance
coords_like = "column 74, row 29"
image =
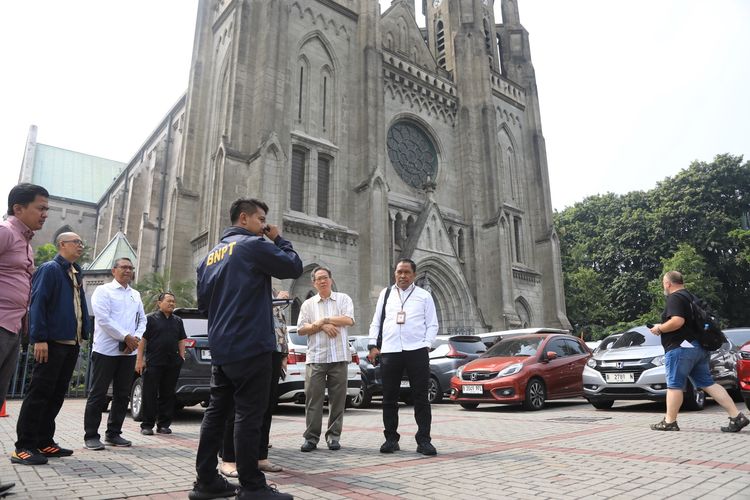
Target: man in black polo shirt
column 163, row 343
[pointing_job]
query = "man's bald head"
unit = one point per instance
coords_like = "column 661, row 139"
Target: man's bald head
column 69, row 246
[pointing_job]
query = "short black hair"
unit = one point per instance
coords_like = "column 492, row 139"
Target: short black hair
column 408, row 261
column 164, row 294
column 117, row 261
column 246, row 205
column 23, row 194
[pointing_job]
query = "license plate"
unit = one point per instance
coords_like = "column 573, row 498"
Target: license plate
column 620, row 378
column 472, row 389
column 205, row 354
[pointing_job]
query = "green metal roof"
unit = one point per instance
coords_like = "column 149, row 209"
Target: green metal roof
column 73, row 175
column 117, row 248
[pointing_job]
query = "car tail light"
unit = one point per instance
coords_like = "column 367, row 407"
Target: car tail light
column 454, row 354
column 189, row 342
column 355, row 358
column 295, row 357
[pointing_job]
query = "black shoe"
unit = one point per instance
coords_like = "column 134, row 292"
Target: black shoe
column 389, row 447
column 118, row 441
column 664, row 426
column 163, row 430
column 147, row 432
column 93, row 444
column 268, row 491
column 55, row 451
column 334, row 445
column 28, row 456
column 426, row 449
column 736, row 424
column 5, row 487
column 218, row 488
column 308, row 446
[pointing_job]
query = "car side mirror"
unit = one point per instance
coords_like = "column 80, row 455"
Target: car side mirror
column 551, row 355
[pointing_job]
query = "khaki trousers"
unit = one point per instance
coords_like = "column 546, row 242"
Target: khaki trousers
column 318, row 377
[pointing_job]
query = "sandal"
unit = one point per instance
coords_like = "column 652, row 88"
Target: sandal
column 269, row 467
column 229, row 470
column 664, row 426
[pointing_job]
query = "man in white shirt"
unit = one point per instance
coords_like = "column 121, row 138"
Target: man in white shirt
column 119, row 323
column 324, row 318
column 402, row 332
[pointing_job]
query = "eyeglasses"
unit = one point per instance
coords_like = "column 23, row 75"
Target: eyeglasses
column 77, row 242
column 126, row 268
column 322, row 278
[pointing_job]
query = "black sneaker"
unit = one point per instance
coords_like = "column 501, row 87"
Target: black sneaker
column 163, row 430
column 28, row 456
column 426, row 449
column 147, row 432
column 93, row 444
column 389, row 447
column 55, row 451
column 217, row 488
column 268, row 491
column 736, row 424
column 117, row 441
column 664, row 426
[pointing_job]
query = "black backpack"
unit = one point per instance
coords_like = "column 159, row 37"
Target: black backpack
column 705, row 324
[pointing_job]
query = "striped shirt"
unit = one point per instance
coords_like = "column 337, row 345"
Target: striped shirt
column 320, row 347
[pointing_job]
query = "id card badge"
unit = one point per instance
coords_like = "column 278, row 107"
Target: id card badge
column 400, row 317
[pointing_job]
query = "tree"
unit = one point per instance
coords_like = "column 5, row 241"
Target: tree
column 154, row 284
column 44, row 253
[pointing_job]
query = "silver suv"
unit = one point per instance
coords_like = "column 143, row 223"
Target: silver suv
column 632, row 368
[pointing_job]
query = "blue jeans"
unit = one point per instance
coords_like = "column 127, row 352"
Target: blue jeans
column 686, row 362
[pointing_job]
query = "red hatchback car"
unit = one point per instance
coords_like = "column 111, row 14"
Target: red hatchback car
column 743, row 373
column 528, row 369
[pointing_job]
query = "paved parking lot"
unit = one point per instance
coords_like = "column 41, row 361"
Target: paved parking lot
column 567, row 451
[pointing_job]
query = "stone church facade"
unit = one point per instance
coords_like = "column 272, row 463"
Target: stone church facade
column 370, row 139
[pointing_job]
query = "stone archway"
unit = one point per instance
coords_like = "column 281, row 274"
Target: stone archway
column 455, row 308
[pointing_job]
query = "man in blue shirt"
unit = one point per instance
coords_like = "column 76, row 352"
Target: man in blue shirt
column 234, row 289
column 58, row 324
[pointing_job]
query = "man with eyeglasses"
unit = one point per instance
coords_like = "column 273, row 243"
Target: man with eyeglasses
column 324, row 319
column 119, row 323
column 160, row 356
column 58, row 320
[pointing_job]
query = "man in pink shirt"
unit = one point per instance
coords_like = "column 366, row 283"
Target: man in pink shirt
column 27, row 211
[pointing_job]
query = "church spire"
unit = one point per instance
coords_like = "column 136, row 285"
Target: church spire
column 509, row 10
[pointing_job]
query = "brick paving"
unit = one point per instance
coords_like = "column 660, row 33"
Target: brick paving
column 567, row 451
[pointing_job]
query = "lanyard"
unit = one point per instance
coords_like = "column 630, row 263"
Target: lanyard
column 407, row 297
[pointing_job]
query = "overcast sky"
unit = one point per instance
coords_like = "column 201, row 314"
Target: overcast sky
column 631, row 91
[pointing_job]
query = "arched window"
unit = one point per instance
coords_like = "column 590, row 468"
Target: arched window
column 487, row 41
column 324, row 184
column 297, row 189
column 440, row 43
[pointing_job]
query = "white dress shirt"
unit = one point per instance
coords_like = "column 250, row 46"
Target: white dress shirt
column 419, row 328
column 118, row 311
column 320, row 347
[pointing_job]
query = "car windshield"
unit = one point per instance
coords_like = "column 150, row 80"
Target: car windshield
column 195, row 326
column 635, row 338
column 738, row 336
column 514, row 347
column 607, row 343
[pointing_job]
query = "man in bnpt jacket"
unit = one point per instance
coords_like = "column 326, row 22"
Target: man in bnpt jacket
column 234, row 290
column 59, row 322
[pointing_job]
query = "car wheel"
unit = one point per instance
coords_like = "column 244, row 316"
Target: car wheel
column 694, row 399
column 362, row 399
column 136, row 400
column 469, row 406
column 535, row 395
column 434, row 393
column 602, row 405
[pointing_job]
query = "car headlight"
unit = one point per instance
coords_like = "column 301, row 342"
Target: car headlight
column 658, row 361
column 591, row 363
column 510, row 370
column 460, row 371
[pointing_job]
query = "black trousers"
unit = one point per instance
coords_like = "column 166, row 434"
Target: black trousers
column 417, row 366
column 246, row 384
column 227, row 448
column 119, row 370
column 158, row 395
column 49, row 384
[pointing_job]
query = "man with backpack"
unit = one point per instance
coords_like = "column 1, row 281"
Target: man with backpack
column 685, row 357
